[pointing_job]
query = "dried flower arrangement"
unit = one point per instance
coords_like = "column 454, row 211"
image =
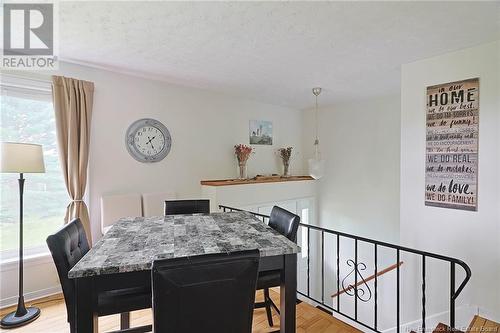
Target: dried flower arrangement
column 242, row 152
column 285, row 154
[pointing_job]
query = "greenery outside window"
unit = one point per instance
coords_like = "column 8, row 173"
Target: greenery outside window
column 27, row 115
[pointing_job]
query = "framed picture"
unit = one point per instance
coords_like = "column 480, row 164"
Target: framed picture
column 261, row 132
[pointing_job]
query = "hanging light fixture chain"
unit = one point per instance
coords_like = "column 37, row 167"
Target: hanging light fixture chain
column 316, row 164
column 316, row 91
column 316, row 142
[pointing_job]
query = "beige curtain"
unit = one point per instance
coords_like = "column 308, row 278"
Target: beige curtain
column 73, row 108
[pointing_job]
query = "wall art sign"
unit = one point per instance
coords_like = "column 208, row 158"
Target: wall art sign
column 451, row 165
column 261, row 132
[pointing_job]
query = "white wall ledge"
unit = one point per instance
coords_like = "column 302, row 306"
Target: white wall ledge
column 30, row 260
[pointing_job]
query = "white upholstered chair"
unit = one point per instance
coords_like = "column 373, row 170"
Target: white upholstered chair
column 116, row 206
column 154, row 203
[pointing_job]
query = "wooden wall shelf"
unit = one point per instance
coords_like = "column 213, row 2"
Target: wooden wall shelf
column 255, row 180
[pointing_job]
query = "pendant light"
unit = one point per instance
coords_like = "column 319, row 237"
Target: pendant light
column 316, row 163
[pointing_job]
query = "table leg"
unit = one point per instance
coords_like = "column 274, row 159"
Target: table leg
column 288, row 294
column 86, row 317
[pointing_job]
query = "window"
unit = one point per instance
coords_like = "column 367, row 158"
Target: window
column 27, row 115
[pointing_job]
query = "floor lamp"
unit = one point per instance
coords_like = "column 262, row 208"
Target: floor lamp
column 21, row 158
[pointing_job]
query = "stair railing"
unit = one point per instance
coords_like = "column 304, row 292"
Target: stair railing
column 359, row 293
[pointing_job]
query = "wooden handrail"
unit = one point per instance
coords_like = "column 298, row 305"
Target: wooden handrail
column 379, row 273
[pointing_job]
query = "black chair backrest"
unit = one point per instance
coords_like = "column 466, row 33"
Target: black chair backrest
column 68, row 246
column 176, row 207
column 284, row 222
column 207, row 293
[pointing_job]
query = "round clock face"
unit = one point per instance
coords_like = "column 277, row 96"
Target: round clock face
column 148, row 140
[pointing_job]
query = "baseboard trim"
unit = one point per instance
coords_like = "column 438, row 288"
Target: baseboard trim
column 31, row 296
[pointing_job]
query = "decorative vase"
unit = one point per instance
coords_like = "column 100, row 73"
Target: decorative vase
column 242, row 168
column 286, row 165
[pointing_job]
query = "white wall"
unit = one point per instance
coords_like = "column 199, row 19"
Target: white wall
column 204, row 127
column 471, row 236
column 359, row 193
column 40, row 279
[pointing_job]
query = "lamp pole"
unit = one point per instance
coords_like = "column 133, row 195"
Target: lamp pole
column 21, row 158
column 21, row 308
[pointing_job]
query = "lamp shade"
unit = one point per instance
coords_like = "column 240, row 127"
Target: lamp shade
column 21, row 158
column 316, row 167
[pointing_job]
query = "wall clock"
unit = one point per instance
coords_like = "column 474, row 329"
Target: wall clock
column 148, row 140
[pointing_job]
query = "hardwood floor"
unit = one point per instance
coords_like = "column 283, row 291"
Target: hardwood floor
column 53, row 319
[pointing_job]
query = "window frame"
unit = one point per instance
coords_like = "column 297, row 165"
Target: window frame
column 37, row 89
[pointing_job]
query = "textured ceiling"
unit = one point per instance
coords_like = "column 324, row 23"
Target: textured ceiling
column 273, row 52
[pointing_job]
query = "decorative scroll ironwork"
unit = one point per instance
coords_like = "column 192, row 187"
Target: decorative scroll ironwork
column 364, row 293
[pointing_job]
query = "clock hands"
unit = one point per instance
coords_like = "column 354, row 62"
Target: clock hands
column 150, row 139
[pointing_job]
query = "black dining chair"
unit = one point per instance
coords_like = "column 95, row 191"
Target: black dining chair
column 287, row 224
column 67, row 247
column 207, row 293
column 177, row 207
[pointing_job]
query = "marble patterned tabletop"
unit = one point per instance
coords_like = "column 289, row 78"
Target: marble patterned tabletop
column 133, row 243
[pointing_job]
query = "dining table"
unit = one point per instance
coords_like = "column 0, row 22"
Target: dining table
column 123, row 257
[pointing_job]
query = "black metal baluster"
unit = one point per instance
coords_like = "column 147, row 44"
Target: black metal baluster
column 338, row 272
column 322, row 267
column 423, row 294
column 356, row 279
column 397, row 292
column 308, row 256
column 452, row 295
column 376, row 283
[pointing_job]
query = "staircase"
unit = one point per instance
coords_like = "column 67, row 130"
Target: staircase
column 478, row 324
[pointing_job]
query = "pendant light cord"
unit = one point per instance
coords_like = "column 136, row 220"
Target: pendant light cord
column 316, row 142
column 316, row 165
